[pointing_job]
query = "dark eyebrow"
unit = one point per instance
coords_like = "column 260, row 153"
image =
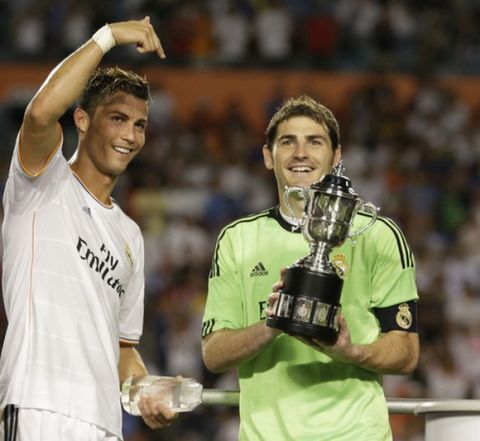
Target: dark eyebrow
column 287, row 137
column 124, row 115
column 322, row 137
column 119, row 113
column 309, row 137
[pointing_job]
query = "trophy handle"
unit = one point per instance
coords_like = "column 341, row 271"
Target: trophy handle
column 286, row 196
column 369, row 208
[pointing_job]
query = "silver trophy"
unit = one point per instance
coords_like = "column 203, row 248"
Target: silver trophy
column 309, row 302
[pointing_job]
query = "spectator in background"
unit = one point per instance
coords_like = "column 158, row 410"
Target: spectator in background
column 232, row 34
column 76, row 28
column 273, row 29
column 29, row 33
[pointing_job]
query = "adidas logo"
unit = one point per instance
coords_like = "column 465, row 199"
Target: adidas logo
column 87, row 211
column 259, row 270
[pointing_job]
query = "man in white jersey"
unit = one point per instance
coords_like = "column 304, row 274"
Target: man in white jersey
column 73, row 261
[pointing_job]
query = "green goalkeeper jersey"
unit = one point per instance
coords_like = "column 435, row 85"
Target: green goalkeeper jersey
column 290, row 391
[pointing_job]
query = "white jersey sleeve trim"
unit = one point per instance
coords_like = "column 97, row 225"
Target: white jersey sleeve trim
column 45, row 165
column 128, row 341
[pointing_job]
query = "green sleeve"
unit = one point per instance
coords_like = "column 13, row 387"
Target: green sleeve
column 224, row 306
column 393, row 273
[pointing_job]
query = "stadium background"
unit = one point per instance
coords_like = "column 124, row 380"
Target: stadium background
column 402, row 78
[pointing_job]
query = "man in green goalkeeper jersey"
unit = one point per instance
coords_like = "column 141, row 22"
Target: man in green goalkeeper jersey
column 290, row 390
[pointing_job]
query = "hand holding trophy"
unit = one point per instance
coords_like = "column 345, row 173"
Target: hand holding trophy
column 309, row 302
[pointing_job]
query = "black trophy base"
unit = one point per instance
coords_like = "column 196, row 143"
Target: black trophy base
column 309, row 305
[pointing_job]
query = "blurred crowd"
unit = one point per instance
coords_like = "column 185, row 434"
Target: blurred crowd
column 437, row 35
column 419, row 162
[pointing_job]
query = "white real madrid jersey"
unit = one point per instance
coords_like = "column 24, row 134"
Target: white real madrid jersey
column 73, row 287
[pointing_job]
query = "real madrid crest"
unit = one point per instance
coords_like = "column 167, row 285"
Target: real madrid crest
column 404, row 316
column 128, row 255
column 339, row 261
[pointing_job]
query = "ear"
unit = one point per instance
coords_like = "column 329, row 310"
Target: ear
column 267, row 157
column 81, row 119
column 337, row 155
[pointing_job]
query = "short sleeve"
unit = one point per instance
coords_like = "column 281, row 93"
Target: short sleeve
column 224, row 306
column 24, row 193
column 132, row 303
column 393, row 275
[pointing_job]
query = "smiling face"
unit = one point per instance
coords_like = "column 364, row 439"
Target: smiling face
column 301, row 154
column 112, row 136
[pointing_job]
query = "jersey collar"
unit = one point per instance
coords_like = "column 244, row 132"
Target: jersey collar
column 274, row 213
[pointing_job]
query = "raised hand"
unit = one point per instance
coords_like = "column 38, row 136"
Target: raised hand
column 139, row 32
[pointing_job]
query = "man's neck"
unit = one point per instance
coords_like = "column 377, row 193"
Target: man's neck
column 98, row 185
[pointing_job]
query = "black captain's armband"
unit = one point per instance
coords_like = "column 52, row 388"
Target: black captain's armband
column 401, row 317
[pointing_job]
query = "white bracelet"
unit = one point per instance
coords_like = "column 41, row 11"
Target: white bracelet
column 104, row 38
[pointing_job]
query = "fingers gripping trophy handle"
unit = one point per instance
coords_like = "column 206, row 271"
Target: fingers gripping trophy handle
column 300, row 191
column 369, row 208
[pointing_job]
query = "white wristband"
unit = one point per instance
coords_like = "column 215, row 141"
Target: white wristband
column 104, row 38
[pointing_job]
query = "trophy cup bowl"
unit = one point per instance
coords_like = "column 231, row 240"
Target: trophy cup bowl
column 309, row 301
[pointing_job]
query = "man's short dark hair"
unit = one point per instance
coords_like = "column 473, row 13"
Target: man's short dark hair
column 104, row 83
column 303, row 106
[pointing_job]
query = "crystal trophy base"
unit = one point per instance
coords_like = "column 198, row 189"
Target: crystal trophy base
column 180, row 394
column 309, row 304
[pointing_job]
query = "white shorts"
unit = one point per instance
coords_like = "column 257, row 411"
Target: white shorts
column 18, row 424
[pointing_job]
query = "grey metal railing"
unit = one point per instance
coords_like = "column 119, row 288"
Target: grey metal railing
column 445, row 419
column 415, row 406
